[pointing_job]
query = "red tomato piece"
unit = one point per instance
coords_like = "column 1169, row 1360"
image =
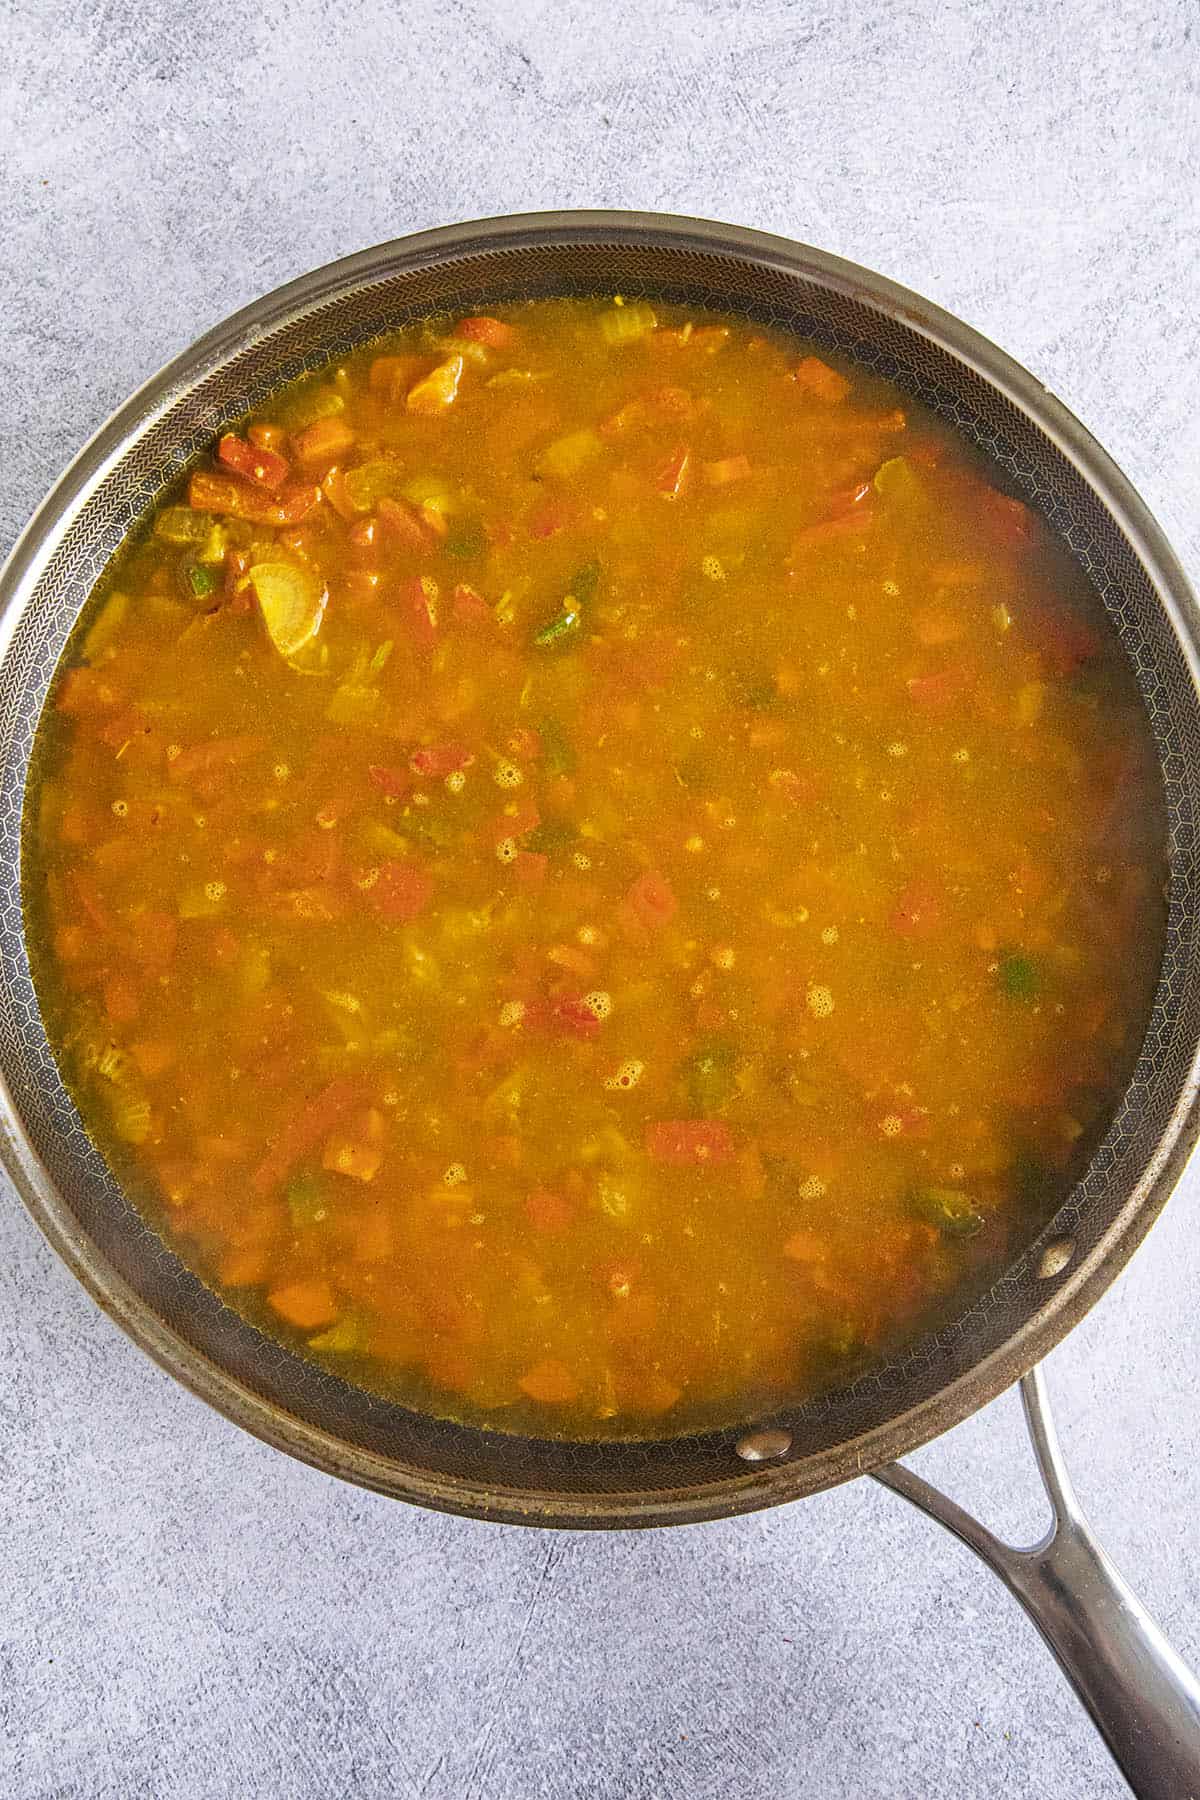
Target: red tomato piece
column 689, row 1142
column 439, row 760
column 516, row 824
column 481, row 329
column 548, row 1211
column 469, row 607
column 652, row 901
column 396, row 783
column 402, row 892
column 942, row 688
column 252, row 462
column 672, row 477
column 419, row 603
column 819, row 380
column 402, row 526
column 572, row 1018
column 530, row 868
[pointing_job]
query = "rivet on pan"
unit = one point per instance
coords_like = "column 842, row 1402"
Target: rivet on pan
column 764, row 1446
column 1055, row 1257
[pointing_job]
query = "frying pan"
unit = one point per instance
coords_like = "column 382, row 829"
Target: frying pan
column 1143, row 1699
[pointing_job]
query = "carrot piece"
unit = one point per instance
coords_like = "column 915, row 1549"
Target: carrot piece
column 652, row 901
column 437, row 390
column 550, row 1382
column 548, row 1211
column 480, row 329
column 303, row 1132
column 322, row 441
column 305, row 1304
column 819, row 380
column 726, row 469
column 689, row 1142
column 262, row 467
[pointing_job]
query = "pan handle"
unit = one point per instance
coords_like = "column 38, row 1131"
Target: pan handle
column 1140, row 1694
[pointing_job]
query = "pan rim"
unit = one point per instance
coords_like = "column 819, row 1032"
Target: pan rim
column 1067, row 1300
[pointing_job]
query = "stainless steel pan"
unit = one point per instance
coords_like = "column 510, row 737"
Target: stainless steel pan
column 1144, row 1701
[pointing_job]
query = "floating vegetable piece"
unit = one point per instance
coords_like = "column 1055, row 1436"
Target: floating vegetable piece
column 951, row 1211
column 626, row 324
column 566, row 456
column 292, row 602
column 438, row 390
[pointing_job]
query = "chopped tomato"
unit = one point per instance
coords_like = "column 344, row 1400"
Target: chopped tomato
column 672, row 477
column 396, row 783
column 480, row 329
column 402, row 892
column 689, row 1142
column 548, row 1211
column 651, row 900
column 917, row 911
column 403, row 526
column 263, row 467
column 438, row 389
column 819, row 380
column 439, row 760
column 942, row 688
column 419, row 606
column 530, row 867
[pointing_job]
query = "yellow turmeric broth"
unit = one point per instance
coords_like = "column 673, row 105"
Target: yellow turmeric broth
column 592, row 871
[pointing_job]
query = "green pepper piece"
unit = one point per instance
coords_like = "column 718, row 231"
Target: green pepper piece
column 561, row 631
column 306, row 1202
column 1018, row 976
column 585, row 584
column 948, row 1209
column 709, row 1074
column 550, row 835
column 200, row 580
column 558, row 758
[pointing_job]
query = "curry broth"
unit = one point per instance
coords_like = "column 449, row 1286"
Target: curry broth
column 592, row 871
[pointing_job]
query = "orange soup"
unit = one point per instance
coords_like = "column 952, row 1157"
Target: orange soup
column 592, row 871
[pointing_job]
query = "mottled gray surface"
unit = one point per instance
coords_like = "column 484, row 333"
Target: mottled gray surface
column 184, row 1612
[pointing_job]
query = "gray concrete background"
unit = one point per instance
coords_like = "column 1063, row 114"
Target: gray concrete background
column 186, row 1613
